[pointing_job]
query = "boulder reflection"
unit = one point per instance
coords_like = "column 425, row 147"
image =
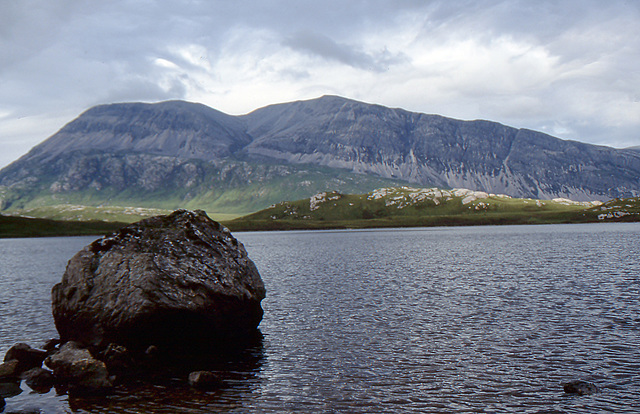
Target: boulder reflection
column 165, row 389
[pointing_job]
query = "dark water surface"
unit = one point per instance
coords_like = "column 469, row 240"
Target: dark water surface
column 448, row 320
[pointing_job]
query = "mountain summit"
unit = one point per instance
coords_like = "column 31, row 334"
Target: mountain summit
column 174, row 128
column 180, row 154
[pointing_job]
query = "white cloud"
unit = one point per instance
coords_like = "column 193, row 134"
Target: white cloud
column 20, row 133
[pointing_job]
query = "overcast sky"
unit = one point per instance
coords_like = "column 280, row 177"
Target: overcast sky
column 570, row 68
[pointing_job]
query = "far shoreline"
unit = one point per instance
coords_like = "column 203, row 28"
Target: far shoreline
column 20, row 228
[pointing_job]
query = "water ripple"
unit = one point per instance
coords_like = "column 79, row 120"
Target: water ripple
column 450, row 320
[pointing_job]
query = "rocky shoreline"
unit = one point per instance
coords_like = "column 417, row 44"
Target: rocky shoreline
column 169, row 297
column 81, row 372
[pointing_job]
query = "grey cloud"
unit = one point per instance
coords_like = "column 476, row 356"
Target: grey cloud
column 323, row 46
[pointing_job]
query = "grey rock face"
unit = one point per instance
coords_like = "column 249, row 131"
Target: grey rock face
column 176, row 279
column 175, row 128
column 434, row 150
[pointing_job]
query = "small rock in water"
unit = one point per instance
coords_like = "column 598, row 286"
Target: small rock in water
column 205, row 380
column 39, row 379
column 77, row 367
column 51, row 345
column 9, row 370
column 118, row 359
column 580, row 387
column 10, row 389
column 26, row 356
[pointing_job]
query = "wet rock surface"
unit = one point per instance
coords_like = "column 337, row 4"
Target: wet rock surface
column 205, row 380
column 179, row 280
column 9, row 370
column 39, row 379
column 10, row 389
column 26, row 357
column 580, row 387
column 76, row 367
column 117, row 380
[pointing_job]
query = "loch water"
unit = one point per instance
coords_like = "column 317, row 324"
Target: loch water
column 429, row 320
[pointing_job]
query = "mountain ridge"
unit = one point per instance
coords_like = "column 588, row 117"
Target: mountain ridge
column 183, row 154
column 200, row 128
column 431, row 149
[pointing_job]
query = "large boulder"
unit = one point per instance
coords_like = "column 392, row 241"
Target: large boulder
column 180, row 279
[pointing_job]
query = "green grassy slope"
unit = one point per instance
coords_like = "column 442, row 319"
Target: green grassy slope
column 410, row 207
column 33, row 227
column 73, row 212
column 386, row 207
column 225, row 191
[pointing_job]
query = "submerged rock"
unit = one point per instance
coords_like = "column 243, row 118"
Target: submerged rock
column 580, row 387
column 180, row 279
column 10, row 389
column 51, row 344
column 38, row 379
column 118, row 359
column 205, row 380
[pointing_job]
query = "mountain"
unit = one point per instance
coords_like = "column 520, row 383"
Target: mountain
column 431, row 149
column 174, row 129
column 165, row 155
column 179, row 154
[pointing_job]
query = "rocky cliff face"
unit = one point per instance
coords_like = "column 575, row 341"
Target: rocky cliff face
column 142, row 152
column 430, row 149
